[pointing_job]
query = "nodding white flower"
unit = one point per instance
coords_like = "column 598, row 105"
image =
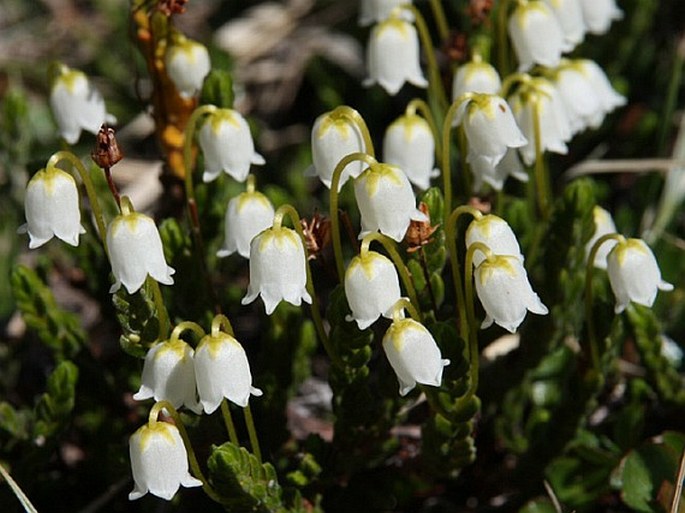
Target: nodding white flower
column 385, row 201
column 277, row 269
column 555, row 127
column 586, row 93
column 634, row 274
column 372, row 287
column 413, row 354
column 490, row 127
column 169, row 375
column 227, row 145
column 373, row 11
column 135, row 250
column 159, row 461
column 76, row 104
column 52, row 209
column 475, row 76
column 599, row 14
column 536, row 34
column 393, row 56
column 496, row 234
column 247, row 215
column 504, row 291
column 409, row 144
column 484, row 172
column 222, row 371
column 335, row 136
column 570, row 16
column 604, row 225
column 187, row 64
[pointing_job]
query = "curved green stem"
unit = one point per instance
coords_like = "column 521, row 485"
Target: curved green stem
column 228, row 421
column 541, row 178
column 470, row 311
column 220, row 323
column 446, row 130
column 188, row 136
column 186, row 326
column 402, row 304
column 451, row 235
column 590, row 266
column 290, row 211
column 334, row 193
column 192, row 459
column 417, row 104
column 435, row 82
column 344, row 111
column 502, row 43
column 252, row 432
column 90, row 189
column 440, row 19
column 389, row 246
column 162, row 313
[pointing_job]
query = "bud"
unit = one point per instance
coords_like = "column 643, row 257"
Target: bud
column 536, row 35
column 372, row 287
column 222, row 371
column 475, row 76
column 393, row 56
column 135, row 250
column 159, row 461
column 246, row 216
column 334, row 137
column 504, row 290
column 187, row 65
column 634, row 274
column 599, row 14
column 52, row 209
column 169, row 375
column 277, row 269
column 76, row 104
column 604, row 225
column 413, row 354
column 106, row 152
column 496, row 234
column 386, row 201
column 227, row 145
column 409, row 144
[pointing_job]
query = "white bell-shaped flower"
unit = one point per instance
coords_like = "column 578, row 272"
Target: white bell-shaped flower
column 496, row 234
column 372, row 287
column 555, row 127
column 135, row 250
column 609, row 98
column 277, row 269
column 335, row 136
column 159, row 461
column 484, row 172
column 247, row 215
column 374, row 11
column 634, row 274
column 222, row 371
column 604, row 225
column 227, row 145
column 52, row 209
column 413, row 354
column 570, row 16
column 187, row 64
column 393, row 56
column 536, row 34
column 386, row 201
column 504, row 291
column 76, row 104
column 599, row 14
column 169, row 375
column 409, row 144
column 475, row 76
column 489, row 126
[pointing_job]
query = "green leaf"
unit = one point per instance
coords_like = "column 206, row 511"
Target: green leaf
column 59, row 330
column 218, row 89
column 55, row 405
column 136, row 315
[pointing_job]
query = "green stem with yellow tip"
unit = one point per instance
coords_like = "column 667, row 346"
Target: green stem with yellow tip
column 334, row 193
column 590, row 266
column 440, row 19
column 291, row 212
column 192, row 459
column 90, row 189
column 541, row 175
column 186, row 326
column 451, row 235
column 346, row 112
column 389, row 246
column 404, row 304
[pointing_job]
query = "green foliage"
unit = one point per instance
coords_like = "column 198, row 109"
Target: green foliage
column 56, row 404
column 59, row 330
column 137, row 316
column 218, row 89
